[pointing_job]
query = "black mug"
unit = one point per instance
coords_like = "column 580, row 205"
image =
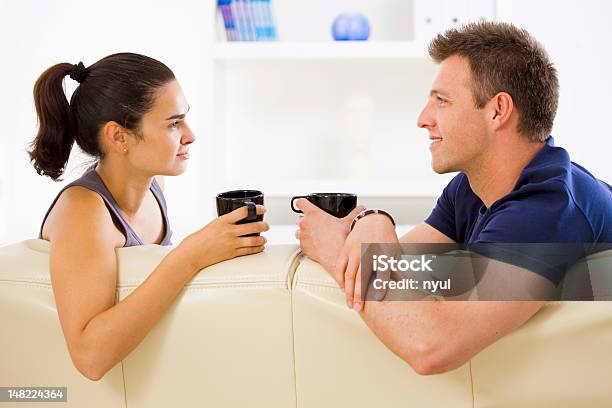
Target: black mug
column 337, row 204
column 232, row 200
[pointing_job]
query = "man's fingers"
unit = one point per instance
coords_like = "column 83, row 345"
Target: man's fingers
column 341, row 264
column 349, row 280
column 357, row 300
column 354, row 213
column 305, row 206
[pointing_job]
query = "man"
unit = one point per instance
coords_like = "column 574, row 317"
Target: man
column 489, row 116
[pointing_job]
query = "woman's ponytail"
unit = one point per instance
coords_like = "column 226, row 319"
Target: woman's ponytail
column 50, row 150
column 120, row 88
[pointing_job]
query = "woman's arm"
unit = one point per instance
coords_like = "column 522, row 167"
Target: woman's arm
column 98, row 332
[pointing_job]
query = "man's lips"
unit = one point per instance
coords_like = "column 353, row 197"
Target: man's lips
column 435, row 140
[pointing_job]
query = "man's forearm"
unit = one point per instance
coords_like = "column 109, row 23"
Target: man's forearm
column 435, row 337
column 413, row 332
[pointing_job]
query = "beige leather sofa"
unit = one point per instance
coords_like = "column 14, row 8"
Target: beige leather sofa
column 272, row 330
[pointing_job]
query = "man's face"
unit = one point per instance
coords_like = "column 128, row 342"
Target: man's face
column 457, row 129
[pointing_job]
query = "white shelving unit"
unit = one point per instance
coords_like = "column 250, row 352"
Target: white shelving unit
column 309, row 114
column 303, row 51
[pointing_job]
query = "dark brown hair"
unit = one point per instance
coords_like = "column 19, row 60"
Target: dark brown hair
column 504, row 58
column 121, row 88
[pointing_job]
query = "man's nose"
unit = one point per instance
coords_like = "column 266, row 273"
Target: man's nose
column 425, row 120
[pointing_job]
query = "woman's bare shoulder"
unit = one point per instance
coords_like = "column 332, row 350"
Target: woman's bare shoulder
column 79, row 210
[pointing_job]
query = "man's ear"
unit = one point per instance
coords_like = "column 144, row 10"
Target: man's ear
column 114, row 137
column 501, row 107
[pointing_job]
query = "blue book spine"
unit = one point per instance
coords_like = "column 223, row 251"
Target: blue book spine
column 238, row 20
column 269, row 27
column 228, row 19
column 258, row 17
column 250, row 21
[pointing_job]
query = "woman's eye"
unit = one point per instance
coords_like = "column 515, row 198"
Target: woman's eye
column 174, row 124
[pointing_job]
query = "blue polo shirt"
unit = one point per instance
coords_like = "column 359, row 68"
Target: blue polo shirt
column 554, row 201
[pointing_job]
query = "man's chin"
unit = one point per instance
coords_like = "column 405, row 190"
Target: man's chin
column 441, row 168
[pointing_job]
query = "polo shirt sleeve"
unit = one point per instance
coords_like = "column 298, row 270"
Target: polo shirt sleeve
column 442, row 217
column 540, row 229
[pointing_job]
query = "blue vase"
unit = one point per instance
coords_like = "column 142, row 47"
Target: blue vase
column 351, row 27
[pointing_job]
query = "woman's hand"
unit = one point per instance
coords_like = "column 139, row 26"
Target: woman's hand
column 223, row 239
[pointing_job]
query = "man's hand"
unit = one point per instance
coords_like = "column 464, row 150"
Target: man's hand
column 321, row 234
column 374, row 228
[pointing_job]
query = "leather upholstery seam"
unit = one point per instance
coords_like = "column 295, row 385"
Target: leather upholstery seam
column 295, row 382
column 117, row 300
column 218, row 285
column 472, row 385
column 124, row 386
column 291, row 278
column 320, row 284
column 258, row 278
column 26, row 284
column 320, row 287
column 212, row 287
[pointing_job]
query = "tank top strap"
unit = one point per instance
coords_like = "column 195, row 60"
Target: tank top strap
column 92, row 181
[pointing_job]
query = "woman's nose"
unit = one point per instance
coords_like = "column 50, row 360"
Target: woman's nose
column 188, row 136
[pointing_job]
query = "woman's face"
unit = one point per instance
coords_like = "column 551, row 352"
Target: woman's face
column 163, row 151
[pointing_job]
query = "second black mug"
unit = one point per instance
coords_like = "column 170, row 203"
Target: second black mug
column 337, row 204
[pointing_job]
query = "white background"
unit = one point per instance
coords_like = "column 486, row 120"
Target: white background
column 36, row 34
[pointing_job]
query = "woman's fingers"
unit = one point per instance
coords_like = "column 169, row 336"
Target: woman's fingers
column 251, row 241
column 249, row 250
column 241, row 213
column 251, row 228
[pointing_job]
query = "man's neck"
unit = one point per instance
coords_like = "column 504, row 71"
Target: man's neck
column 497, row 173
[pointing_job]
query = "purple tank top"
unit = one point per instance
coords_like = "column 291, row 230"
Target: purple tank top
column 92, row 181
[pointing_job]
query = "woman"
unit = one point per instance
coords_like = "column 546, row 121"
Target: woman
column 128, row 112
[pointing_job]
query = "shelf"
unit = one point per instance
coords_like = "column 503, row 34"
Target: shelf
column 399, row 50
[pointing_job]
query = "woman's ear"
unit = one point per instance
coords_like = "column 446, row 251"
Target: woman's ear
column 114, row 138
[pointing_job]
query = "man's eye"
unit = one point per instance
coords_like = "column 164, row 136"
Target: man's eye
column 440, row 100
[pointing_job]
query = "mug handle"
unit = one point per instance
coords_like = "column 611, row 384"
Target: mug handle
column 252, row 209
column 295, row 209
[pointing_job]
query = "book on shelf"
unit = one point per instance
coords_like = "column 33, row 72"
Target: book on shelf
column 247, row 20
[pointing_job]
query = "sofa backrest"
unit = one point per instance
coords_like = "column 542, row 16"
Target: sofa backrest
column 273, row 330
column 225, row 341
column 33, row 351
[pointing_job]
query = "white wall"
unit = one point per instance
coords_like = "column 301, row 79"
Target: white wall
column 38, row 33
column 577, row 35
